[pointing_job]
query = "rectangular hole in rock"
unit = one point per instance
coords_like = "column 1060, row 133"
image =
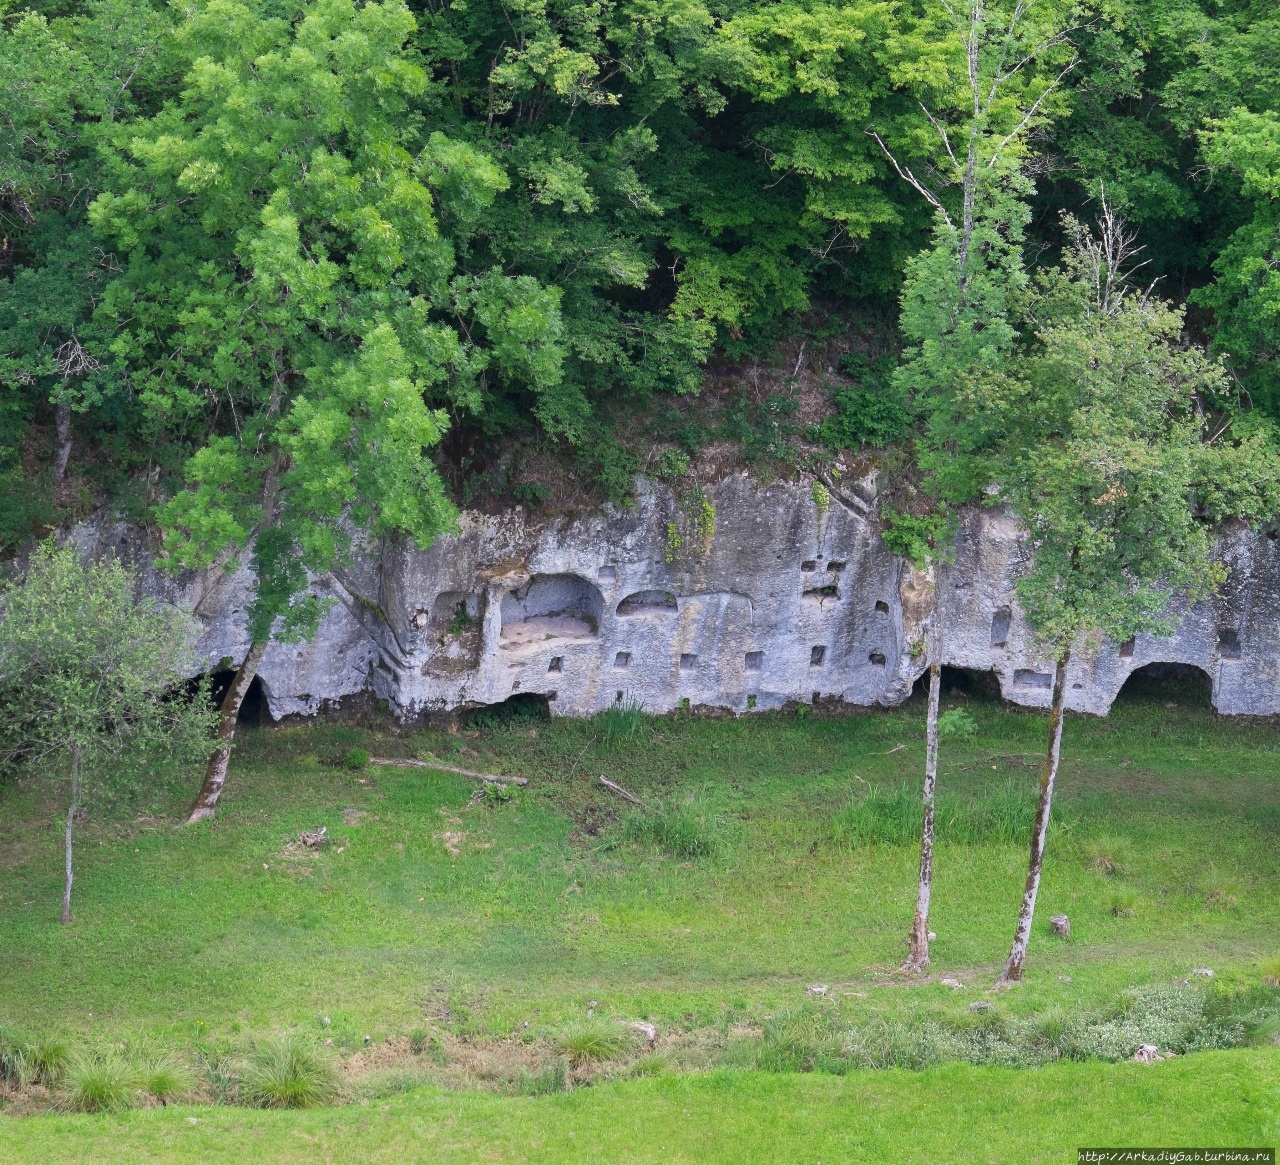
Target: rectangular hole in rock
column 816, row 656
column 876, row 658
column 835, row 565
column 608, row 574
column 622, row 659
column 809, row 566
column 1000, row 627
column 1032, row 679
column 688, row 662
column 557, row 664
column 1126, row 648
column 882, row 607
column 753, row 660
column 1229, row 643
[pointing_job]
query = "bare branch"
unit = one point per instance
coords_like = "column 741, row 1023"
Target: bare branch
column 904, row 172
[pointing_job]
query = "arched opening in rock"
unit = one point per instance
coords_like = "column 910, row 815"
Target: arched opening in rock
column 960, row 684
column 648, row 603
column 454, row 632
column 1182, row 684
column 550, row 607
column 522, row 708
column 254, row 711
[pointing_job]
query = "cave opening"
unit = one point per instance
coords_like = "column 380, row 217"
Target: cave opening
column 1184, row 684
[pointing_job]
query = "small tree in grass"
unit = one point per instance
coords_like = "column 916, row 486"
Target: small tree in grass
column 1117, row 453
column 87, row 676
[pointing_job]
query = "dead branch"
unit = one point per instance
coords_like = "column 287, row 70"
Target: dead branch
column 608, row 784
column 404, row 763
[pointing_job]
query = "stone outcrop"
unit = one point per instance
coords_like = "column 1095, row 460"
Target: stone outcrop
column 778, row 601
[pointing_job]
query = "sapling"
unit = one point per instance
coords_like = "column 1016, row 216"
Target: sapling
column 90, row 682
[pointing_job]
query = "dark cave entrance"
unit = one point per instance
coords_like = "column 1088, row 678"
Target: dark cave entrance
column 961, row 683
column 1180, row 683
column 253, row 711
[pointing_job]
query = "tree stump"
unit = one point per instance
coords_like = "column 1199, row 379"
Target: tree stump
column 1061, row 925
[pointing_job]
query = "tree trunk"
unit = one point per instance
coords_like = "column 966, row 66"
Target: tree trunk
column 215, row 774
column 918, row 953
column 1012, row 972
column 62, row 422
column 71, row 820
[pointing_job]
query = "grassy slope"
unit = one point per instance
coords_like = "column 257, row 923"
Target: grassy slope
column 953, row 1113
column 535, row 917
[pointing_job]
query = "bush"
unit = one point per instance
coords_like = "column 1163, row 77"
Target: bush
column 959, row 723
column 286, row 1073
column 874, row 413
column 356, row 759
column 684, row 831
column 587, row 1043
column 101, row 1084
column 495, row 794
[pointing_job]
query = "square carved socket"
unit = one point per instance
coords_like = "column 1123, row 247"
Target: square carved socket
column 882, row 606
column 816, row 656
column 557, row 664
column 622, row 659
column 753, row 660
column 836, row 565
column 1126, row 649
column 608, row 574
column 688, row 662
column 876, row 658
column 809, row 566
column 1229, row 643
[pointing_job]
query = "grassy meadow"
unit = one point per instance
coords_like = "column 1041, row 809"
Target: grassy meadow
column 469, row 960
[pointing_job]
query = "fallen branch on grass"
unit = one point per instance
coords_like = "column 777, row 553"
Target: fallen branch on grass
column 608, row 784
column 404, row 763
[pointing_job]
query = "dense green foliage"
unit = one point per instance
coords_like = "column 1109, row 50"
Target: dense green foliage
column 246, row 235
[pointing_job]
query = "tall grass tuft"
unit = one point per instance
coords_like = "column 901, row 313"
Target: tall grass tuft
column 687, row 830
column 1271, row 971
column 167, row 1078
column 588, row 1043
column 286, row 1073
column 24, row 1061
column 101, row 1084
column 621, row 724
column 546, row 1082
column 1002, row 815
column 1109, row 855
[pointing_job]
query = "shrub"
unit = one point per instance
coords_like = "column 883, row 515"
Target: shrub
column 356, row 759
column 684, row 831
column 495, row 794
column 286, row 1073
column 958, row 722
column 587, row 1043
column 101, row 1084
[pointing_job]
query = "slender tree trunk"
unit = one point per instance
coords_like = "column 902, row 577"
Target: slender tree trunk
column 918, row 953
column 215, row 774
column 1012, row 972
column 62, row 422
column 71, row 820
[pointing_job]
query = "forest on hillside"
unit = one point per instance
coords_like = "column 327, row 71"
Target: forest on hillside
column 345, row 234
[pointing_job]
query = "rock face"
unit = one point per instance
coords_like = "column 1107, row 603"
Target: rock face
column 776, row 601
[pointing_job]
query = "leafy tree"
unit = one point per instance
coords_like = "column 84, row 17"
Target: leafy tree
column 1117, row 454
column 87, row 679
column 959, row 297
column 289, row 306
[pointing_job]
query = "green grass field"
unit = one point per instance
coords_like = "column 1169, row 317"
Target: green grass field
column 486, row 931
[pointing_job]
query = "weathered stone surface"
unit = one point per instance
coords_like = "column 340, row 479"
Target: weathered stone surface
column 782, row 603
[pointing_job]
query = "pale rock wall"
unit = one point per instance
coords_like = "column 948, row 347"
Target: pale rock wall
column 784, row 603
